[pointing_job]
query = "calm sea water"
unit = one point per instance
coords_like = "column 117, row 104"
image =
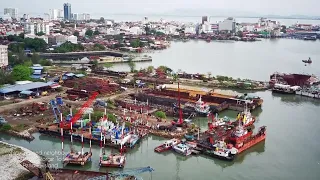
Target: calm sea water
column 253, row 60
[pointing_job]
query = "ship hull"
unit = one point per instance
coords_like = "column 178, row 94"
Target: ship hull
column 282, row 91
column 161, row 149
column 252, row 143
column 225, row 158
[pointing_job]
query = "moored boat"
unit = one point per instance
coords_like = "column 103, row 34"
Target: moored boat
column 167, row 145
column 182, row 149
column 113, row 160
column 77, row 158
column 222, row 151
column 202, row 108
column 251, row 141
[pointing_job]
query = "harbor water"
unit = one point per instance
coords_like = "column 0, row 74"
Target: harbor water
column 252, row 60
column 290, row 151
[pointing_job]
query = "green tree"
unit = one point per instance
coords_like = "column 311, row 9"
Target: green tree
column 62, row 24
column 16, row 47
column 21, row 73
column 21, row 35
column 6, row 78
column 40, row 33
column 175, row 77
column 45, row 62
column 96, row 32
column 108, row 65
column 95, row 64
column 160, row 114
column 132, row 65
column 89, row 33
column 136, row 43
column 35, row 58
column 150, row 69
column 101, row 20
column 99, row 47
column 76, row 33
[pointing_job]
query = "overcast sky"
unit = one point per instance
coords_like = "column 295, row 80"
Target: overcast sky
column 208, row 7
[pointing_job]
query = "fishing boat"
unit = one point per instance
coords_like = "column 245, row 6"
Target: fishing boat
column 222, row 151
column 113, row 160
column 77, row 158
column 167, row 145
column 182, row 149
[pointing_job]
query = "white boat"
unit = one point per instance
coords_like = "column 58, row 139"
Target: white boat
column 202, row 108
column 222, row 151
column 182, row 149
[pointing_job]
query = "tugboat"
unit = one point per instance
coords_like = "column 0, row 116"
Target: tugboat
column 202, row 108
column 251, row 141
column 309, row 61
column 240, row 134
column 182, row 149
column 222, row 151
column 167, row 145
column 216, row 122
column 245, row 118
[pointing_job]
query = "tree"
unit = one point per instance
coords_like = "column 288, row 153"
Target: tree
column 21, row 35
column 160, row 114
column 6, row 78
column 209, row 75
column 40, row 33
column 76, row 33
column 101, row 20
column 136, row 43
column 150, row 69
column 132, row 65
column 21, row 73
column 35, row 58
column 96, row 32
column 45, row 62
column 175, row 77
column 62, row 24
column 108, row 65
column 99, row 47
column 89, row 33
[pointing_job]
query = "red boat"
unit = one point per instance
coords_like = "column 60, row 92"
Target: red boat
column 167, row 145
column 240, row 134
column 245, row 118
column 113, row 160
column 260, row 136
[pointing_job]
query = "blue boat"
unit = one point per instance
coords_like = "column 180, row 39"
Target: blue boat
column 189, row 137
column 133, row 140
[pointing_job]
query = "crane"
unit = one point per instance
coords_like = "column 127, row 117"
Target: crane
column 84, row 107
column 125, row 173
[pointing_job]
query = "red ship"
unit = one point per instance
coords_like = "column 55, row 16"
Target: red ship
column 290, row 79
column 240, row 134
column 251, row 141
column 167, row 145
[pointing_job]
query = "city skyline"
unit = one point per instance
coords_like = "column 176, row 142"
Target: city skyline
column 177, row 7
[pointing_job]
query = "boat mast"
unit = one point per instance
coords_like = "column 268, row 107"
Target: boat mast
column 61, row 131
column 90, row 132
column 180, row 112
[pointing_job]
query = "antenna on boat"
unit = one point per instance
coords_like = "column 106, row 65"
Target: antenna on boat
column 61, row 131
column 90, row 132
column 180, row 112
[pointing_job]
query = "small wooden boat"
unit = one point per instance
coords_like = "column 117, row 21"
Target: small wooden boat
column 77, row 158
column 113, row 160
column 167, row 145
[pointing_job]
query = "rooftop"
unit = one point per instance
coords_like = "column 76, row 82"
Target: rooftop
column 24, row 87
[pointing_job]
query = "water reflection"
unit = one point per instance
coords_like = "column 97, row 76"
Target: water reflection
column 258, row 149
column 296, row 99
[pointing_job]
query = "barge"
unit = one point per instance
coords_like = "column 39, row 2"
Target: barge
column 113, row 160
column 77, row 158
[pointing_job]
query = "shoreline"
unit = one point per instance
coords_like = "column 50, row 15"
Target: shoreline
column 10, row 158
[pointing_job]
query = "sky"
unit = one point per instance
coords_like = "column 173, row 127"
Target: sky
column 176, row 7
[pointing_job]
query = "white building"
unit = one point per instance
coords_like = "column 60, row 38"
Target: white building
column 81, row 16
column 73, row 39
column 228, row 24
column 13, row 12
column 135, row 30
column 3, row 56
column 36, row 27
column 55, row 14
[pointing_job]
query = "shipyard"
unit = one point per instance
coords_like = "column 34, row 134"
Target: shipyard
column 88, row 94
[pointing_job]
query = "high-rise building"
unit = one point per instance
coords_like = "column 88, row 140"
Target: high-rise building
column 3, row 56
column 13, row 12
column 55, row 14
column 67, row 11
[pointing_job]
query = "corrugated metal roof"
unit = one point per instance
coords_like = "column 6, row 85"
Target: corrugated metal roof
column 24, row 87
column 35, row 76
column 79, row 75
column 26, row 92
column 37, row 72
column 36, row 67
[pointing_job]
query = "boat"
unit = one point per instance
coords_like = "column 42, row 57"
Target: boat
column 167, row 145
column 240, row 134
column 217, row 122
column 309, row 61
column 285, row 89
column 191, row 144
column 202, row 108
column 222, row 151
column 113, row 160
column 189, row 137
column 290, row 79
column 77, row 158
column 182, row 149
column 245, row 118
column 134, row 139
column 251, row 141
